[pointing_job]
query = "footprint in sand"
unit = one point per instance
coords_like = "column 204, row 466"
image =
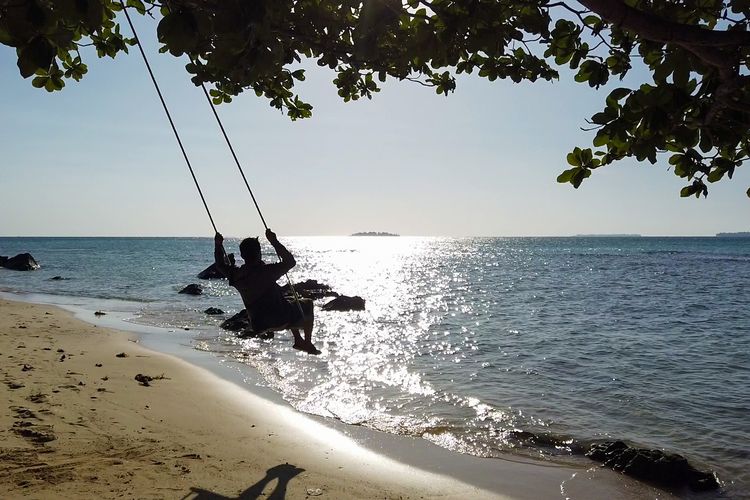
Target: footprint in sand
column 38, row 398
column 34, row 432
column 37, row 434
column 21, row 412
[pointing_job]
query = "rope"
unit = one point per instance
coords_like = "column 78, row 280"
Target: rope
column 187, row 160
column 247, row 184
column 231, row 149
column 169, row 116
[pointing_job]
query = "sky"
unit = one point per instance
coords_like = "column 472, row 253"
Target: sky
column 99, row 159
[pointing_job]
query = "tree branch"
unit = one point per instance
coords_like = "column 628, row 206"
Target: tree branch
column 658, row 29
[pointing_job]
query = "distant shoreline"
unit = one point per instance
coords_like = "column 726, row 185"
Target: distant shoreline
column 374, row 233
column 741, row 234
column 614, row 235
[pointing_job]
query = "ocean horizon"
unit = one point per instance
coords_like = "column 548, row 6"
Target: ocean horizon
column 482, row 345
column 742, row 234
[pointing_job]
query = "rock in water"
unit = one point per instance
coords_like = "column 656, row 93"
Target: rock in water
column 192, row 289
column 212, row 272
column 240, row 322
column 344, row 303
column 213, row 311
column 310, row 289
column 665, row 469
column 236, row 323
column 21, row 262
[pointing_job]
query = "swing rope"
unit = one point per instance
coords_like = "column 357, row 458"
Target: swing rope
column 169, row 115
column 247, row 184
column 185, row 156
column 231, row 149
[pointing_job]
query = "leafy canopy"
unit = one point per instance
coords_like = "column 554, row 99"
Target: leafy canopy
column 694, row 108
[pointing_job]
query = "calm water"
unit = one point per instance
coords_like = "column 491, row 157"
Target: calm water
column 465, row 342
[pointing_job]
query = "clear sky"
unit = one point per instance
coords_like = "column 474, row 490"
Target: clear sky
column 99, row 158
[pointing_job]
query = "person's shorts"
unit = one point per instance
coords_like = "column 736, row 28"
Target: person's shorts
column 288, row 316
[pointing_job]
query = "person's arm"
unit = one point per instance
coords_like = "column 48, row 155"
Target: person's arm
column 287, row 259
column 221, row 260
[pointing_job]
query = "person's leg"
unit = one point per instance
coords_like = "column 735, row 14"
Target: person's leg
column 309, row 321
column 306, row 322
column 298, row 342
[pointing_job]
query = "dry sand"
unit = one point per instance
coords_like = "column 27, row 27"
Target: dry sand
column 78, row 425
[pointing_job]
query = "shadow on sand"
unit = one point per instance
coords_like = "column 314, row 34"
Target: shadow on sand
column 283, row 473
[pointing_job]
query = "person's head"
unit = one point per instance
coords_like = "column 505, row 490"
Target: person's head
column 250, row 250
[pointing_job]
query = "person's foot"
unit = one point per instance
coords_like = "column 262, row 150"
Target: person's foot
column 307, row 347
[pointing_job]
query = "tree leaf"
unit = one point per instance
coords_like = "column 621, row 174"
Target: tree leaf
column 573, row 160
column 39, row 81
column 566, row 175
column 138, row 5
column 601, row 138
column 178, row 31
column 716, row 175
column 38, row 54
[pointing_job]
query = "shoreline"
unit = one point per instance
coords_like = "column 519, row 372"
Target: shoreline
column 428, row 465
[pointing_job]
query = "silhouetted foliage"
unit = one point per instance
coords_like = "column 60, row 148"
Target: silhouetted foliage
column 695, row 107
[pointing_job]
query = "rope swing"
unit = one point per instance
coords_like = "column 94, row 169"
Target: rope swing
column 169, row 115
column 184, row 153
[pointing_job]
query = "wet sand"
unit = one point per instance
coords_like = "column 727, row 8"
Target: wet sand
column 77, row 424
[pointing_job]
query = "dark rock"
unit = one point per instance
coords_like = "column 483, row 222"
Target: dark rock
column 212, row 311
column 310, row 289
column 701, row 481
column 212, row 272
column 236, row 323
column 656, row 466
column 100, row 313
column 522, row 435
column 344, row 303
column 547, row 440
column 240, row 323
column 602, row 451
column 56, row 278
column 192, row 289
column 21, row 262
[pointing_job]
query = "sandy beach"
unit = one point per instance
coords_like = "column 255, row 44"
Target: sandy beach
column 77, row 424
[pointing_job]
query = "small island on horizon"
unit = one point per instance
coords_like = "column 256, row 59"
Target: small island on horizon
column 613, row 235
column 740, row 234
column 374, row 233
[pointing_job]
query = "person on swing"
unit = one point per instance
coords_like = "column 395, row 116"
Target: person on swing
column 266, row 305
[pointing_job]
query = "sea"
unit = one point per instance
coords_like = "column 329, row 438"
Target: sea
column 484, row 346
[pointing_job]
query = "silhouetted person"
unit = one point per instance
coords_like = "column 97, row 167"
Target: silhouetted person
column 266, row 306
